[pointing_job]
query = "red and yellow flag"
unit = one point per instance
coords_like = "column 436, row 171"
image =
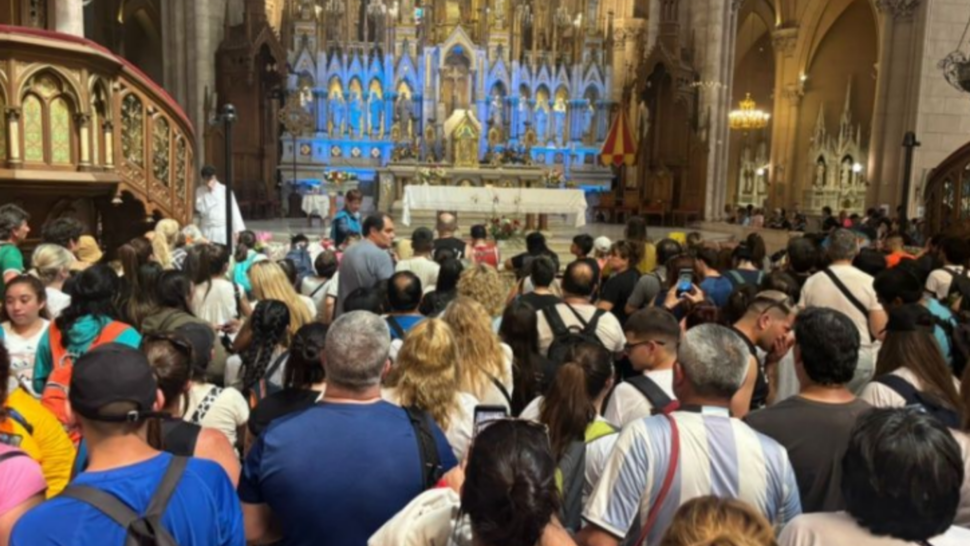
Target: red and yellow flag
column 619, row 148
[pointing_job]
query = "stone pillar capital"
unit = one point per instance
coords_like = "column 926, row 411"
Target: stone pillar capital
column 12, row 114
column 794, row 93
column 82, row 119
column 901, row 10
column 736, row 5
column 784, row 40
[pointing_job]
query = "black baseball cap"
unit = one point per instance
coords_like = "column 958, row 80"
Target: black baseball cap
column 109, row 374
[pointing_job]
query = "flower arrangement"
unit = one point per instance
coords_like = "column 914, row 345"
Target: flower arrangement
column 338, row 178
column 430, row 176
column 554, row 178
column 504, row 229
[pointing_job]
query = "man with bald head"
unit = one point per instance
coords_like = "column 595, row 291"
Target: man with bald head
column 577, row 310
column 447, row 226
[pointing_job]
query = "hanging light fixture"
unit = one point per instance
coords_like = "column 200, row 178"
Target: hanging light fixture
column 748, row 117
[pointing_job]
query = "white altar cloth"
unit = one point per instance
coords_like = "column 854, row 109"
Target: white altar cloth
column 500, row 201
column 316, row 204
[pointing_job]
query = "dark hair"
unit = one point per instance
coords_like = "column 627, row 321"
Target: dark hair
column 520, row 332
column 705, row 312
column 542, row 271
column 629, row 251
column 61, row 231
column 756, row 245
column 245, row 241
column 829, row 345
column 919, row 352
column 304, row 366
column 270, row 322
column 403, row 292
column 173, row 290
column 568, row 407
column 289, row 269
column 675, row 264
column 36, row 286
column 870, row 261
column 11, row 218
column 138, row 300
column 738, row 303
column 535, row 244
column 667, row 249
column 803, row 255
column 443, row 254
column 478, row 231
column 448, row 275
column 579, row 280
column 826, row 210
column 781, row 281
column 901, row 474
column 584, row 242
column 422, row 240
column 353, row 195
column 132, row 255
column 636, row 229
column 210, row 262
column 510, row 492
column 364, row 299
column 742, row 254
column 898, row 283
column 4, row 379
column 208, row 172
column 372, row 222
column 93, row 294
column 325, row 264
column 707, row 255
column 654, row 322
column 171, row 357
column 955, row 250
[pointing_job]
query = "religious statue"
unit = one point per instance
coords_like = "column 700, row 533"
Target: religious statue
column 542, row 125
column 523, row 117
column 559, row 115
column 337, row 106
column 496, row 113
column 846, row 180
column 376, row 106
column 402, row 110
column 643, row 123
column 588, row 113
column 820, row 181
column 355, row 107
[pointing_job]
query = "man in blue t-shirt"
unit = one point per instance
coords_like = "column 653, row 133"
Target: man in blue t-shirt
column 112, row 394
column 332, row 474
column 403, row 299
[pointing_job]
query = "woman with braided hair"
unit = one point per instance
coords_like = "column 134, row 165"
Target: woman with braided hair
column 260, row 371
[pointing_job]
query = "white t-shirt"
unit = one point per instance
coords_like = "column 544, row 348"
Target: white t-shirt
column 424, row 268
column 22, row 352
column 839, row 528
column 597, row 452
column 493, row 396
column 820, row 291
column 882, row 396
column 219, row 306
column 628, row 404
column 608, row 328
column 226, row 413
column 309, row 288
column 310, row 305
column 462, row 426
column 938, row 283
column 57, row 301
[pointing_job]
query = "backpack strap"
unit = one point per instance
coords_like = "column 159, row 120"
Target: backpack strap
column 237, row 295
column 171, row 479
column 276, row 364
column 179, row 437
column 735, row 277
column 653, row 393
column 11, row 455
column 19, row 418
column 668, row 479
column 396, row 326
column 554, row 319
column 107, row 503
column 900, row 386
column 427, row 447
column 205, row 405
column 851, row 297
column 318, row 288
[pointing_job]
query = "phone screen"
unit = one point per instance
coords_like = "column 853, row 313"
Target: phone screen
column 486, row 414
column 685, row 280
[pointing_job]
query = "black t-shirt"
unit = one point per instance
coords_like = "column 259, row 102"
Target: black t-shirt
column 277, row 405
column 759, row 398
column 520, row 262
column 453, row 244
column 815, row 435
column 617, row 291
column 540, row 301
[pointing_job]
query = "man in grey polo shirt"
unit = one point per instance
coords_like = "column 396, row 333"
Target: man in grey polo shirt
column 369, row 261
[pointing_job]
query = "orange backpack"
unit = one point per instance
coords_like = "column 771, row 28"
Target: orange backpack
column 54, row 396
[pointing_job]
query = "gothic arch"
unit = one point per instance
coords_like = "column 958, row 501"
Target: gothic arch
column 68, row 85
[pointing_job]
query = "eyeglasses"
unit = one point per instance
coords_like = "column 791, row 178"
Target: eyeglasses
column 628, row 347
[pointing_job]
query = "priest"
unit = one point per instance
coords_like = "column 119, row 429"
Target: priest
column 210, row 208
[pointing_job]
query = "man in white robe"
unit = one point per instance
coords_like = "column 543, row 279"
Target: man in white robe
column 210, row 208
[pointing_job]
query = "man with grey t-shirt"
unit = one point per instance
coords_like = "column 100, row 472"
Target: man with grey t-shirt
column 369, row 261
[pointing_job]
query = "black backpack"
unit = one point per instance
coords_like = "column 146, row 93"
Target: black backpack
column 563, row 338
column 431, row 469
column 145, row 529
column 913, row 397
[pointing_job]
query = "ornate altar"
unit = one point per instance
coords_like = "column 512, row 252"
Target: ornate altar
column 836, row 166
column 464, row 139
column 752, row 177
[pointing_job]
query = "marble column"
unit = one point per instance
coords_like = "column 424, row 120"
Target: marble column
column 69, row 17
column 789, row 90
column 83, row 122
column 14, row 153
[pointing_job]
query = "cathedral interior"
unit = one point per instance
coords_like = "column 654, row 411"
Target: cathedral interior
column 677, row 108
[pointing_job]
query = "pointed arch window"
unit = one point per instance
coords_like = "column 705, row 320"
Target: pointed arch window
column 60, row 124
column 33, row 114
column 47, row 122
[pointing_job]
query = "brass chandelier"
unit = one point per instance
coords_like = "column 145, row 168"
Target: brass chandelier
column 748, row 116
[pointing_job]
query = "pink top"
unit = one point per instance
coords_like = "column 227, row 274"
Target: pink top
column 20, row 479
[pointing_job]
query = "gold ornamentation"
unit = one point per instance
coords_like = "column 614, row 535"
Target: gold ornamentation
column 132, row 130
column 161, row 149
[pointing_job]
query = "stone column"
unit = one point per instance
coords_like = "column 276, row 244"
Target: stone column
column 69, row 17
column 788, row 95
column 14, row 153
column 84, row 136
column 109, row 144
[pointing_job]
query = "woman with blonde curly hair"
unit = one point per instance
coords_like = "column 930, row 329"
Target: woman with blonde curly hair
column 713, row 521
column 164, row 242
column 484, row 362
column 483, row 284
column 269, row 282
column 426, row 377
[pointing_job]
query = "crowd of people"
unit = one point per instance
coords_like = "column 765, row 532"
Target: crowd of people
column 356, row 390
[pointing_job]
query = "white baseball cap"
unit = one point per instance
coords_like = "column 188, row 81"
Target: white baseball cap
column 602, row 244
